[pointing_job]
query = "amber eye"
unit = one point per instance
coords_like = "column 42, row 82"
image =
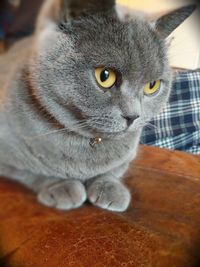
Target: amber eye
column 105, row 77
column 152, row 87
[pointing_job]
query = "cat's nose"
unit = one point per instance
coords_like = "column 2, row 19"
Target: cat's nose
column 130, row 119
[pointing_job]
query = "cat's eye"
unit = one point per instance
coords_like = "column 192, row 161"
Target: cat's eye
column 105, row 77
column 152, row 87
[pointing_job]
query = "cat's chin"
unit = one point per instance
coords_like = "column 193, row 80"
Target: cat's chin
column 93, row 133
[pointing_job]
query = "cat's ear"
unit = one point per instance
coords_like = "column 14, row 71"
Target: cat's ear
column 166, row 24
column 61, row 11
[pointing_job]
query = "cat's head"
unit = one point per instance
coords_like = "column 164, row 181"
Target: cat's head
column 98, row 73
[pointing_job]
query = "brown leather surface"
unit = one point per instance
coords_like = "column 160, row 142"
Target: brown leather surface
column 160, row 229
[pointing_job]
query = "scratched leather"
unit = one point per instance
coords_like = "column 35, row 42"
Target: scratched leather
column 161, row 228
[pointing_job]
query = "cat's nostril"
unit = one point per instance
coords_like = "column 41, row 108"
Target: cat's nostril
column 130, row 119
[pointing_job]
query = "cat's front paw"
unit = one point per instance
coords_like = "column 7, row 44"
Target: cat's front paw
column 110, row 195
column 63, row 195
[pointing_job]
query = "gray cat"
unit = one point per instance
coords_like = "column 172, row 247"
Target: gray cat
column 75, row 96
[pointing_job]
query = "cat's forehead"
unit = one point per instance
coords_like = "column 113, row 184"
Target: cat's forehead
column 104, row 31
column 128, row 46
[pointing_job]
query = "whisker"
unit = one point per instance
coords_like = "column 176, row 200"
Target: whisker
column 97, row 122
column 107, row 123
column 103, row 117
column 79, row 126
column 45, row 134
column 150, row 125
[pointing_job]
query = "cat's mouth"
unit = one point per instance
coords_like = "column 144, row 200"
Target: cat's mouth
column 114, row 126
column 96, row 126
column 92, row 130
column 107, row 132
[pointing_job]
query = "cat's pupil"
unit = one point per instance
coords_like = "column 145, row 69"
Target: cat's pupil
column 152, row 84
column 104, row 75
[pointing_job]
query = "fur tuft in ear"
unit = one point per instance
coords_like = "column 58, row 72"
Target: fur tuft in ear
column 168, row 23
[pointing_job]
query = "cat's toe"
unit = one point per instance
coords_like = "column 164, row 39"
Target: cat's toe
column 63, row 195
column 109, row 195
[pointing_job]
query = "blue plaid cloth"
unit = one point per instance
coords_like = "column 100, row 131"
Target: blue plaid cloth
column 178, row 126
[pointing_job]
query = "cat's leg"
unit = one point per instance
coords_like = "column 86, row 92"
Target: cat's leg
column 59, row 193
column 108, row 192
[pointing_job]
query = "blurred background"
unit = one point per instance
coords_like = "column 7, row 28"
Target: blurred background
column 17, row 20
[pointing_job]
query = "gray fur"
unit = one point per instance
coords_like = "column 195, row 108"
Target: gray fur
column 51, row 106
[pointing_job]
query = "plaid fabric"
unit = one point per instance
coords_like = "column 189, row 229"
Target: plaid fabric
column 178, row 126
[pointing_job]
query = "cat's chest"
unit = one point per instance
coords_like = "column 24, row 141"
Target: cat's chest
column 76, row 158
column 109, row 152
column 82, row 159
column 106, row 151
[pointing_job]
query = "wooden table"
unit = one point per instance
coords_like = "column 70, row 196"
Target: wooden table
column 161, row 228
